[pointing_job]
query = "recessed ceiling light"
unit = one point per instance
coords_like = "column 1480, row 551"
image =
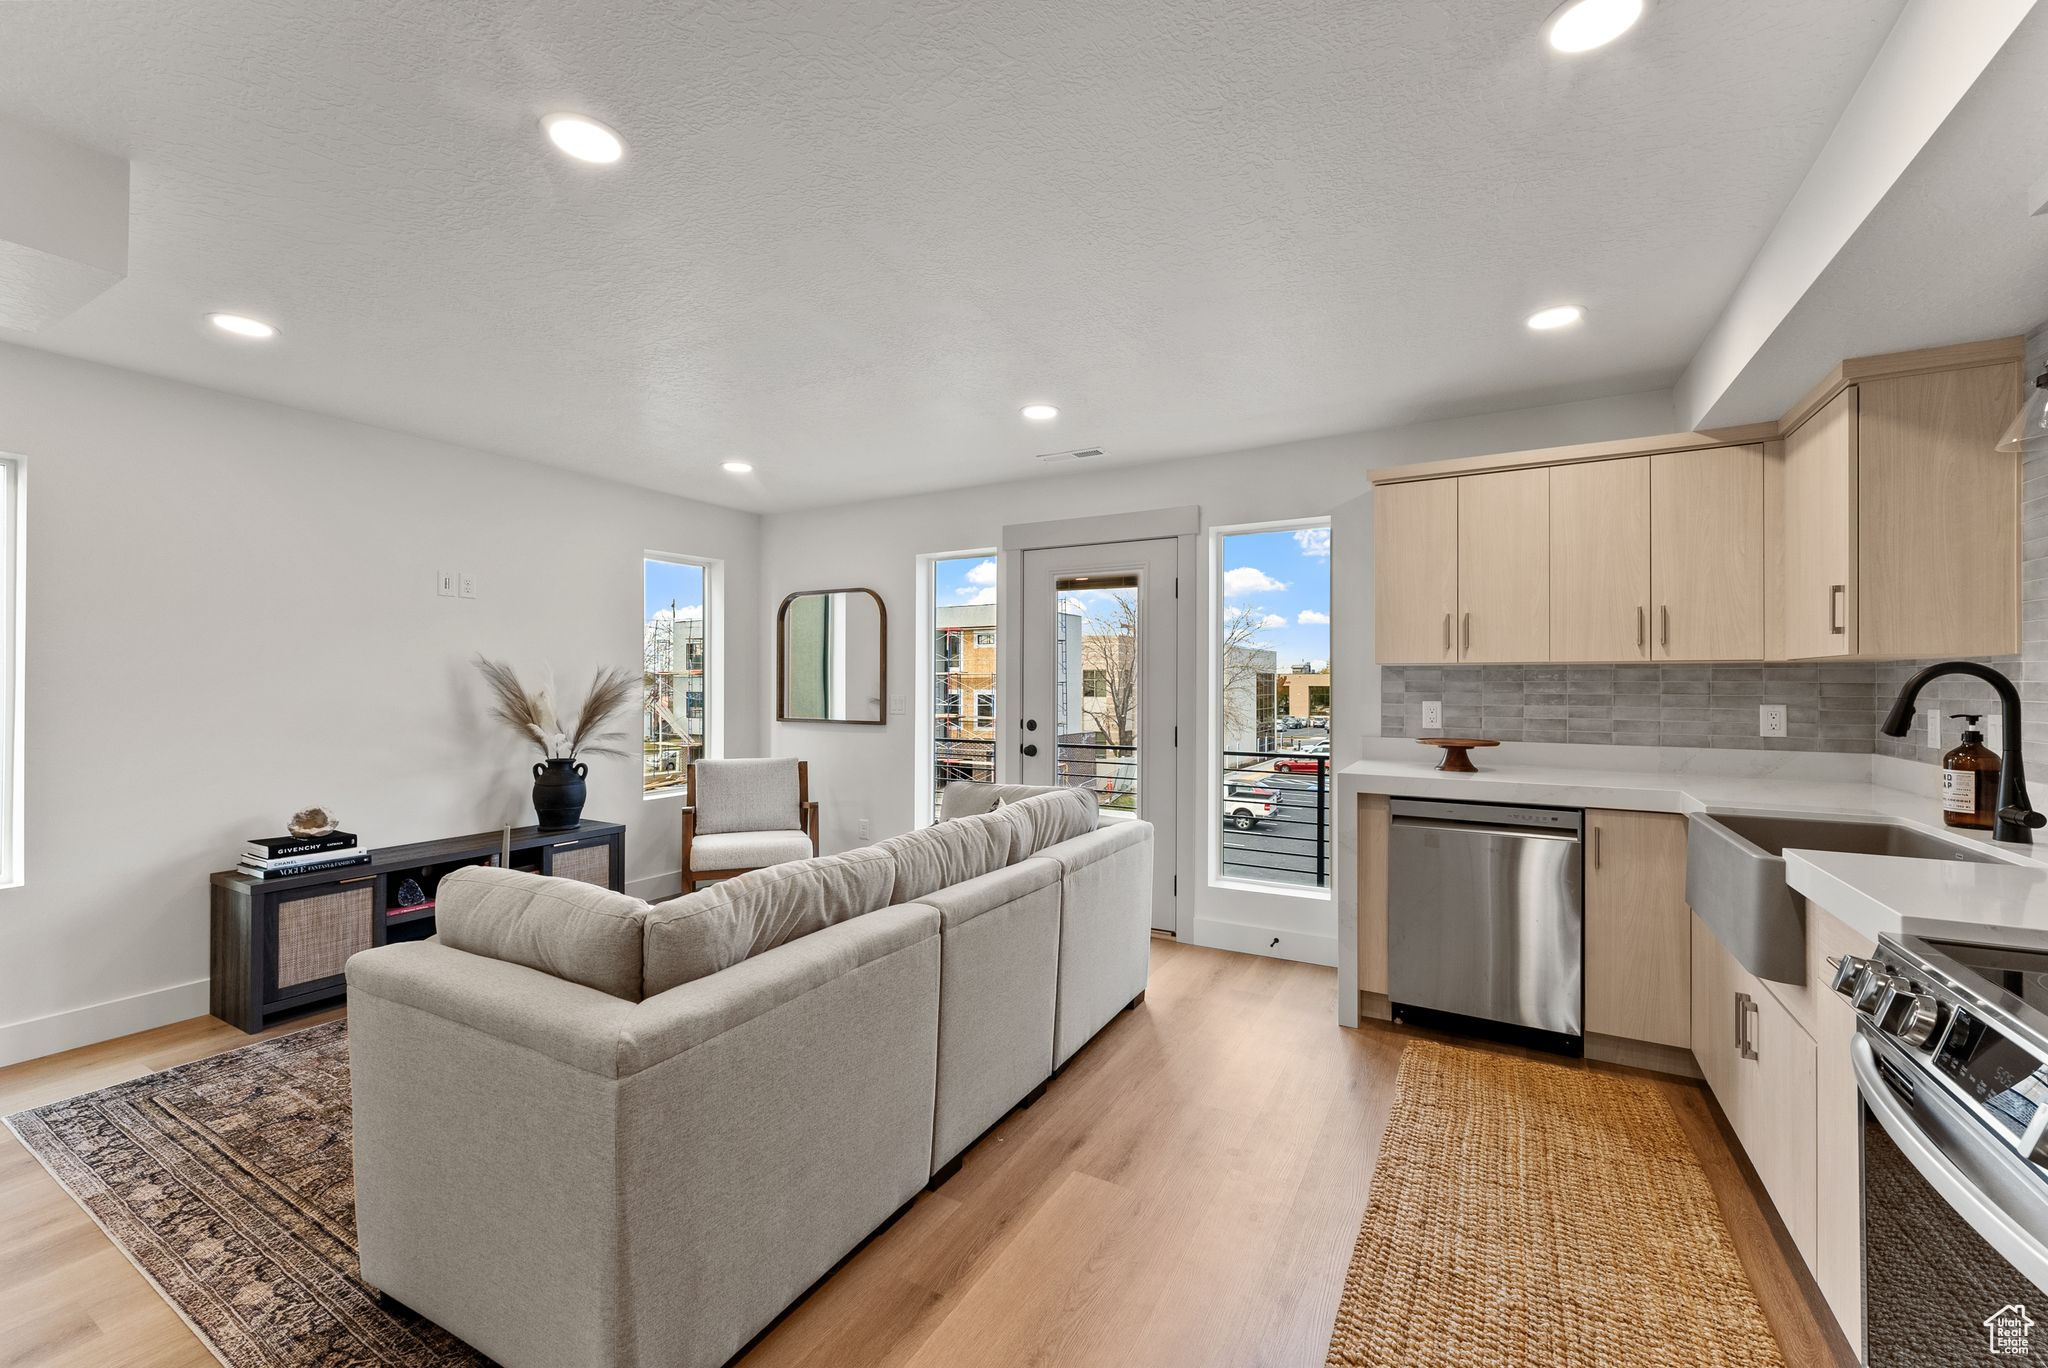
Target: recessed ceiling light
column 241, row 325
column 1040, row 413
column 1584, row 25
column 737, row 467
column 1563, row 316
column 584, row 138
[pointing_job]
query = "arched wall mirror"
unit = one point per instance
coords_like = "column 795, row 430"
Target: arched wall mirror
column 832, row 657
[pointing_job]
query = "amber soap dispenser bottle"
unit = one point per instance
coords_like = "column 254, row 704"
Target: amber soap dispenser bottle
column 1969, row 779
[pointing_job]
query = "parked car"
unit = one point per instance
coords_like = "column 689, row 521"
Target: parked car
column 1307, row 760
column 1246, row 805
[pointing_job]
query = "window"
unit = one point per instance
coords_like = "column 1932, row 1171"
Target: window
column 677, row 681
column 959, row 724
column 1094, row 683
column 1273, row 696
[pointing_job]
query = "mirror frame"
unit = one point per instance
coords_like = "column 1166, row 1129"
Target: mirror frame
column 782, row 661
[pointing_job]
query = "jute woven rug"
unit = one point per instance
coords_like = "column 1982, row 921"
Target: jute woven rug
column 230, row 1183
column 1528, row 1213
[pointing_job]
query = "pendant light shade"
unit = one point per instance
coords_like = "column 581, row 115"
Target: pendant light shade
column 2029, row 431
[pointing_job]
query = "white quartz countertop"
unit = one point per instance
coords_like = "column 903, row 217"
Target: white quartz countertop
column 2004, row 903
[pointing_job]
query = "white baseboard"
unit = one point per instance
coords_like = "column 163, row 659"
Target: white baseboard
column 656, row 887
column 1309, row 947
column 62, row 1031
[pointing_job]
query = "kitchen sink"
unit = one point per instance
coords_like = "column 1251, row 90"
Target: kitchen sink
column 1735, row 877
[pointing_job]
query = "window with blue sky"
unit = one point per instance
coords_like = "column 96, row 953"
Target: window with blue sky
column 1280, row 583
column 676, row 671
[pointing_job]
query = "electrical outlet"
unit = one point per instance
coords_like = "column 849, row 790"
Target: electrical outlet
column 1770, row 719
column 444, row 583
column 1934, row 729
column 1432, row 714
column 864, row 829
column 468, row 585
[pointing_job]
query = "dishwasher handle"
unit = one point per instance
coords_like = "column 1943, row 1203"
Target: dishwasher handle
column 1519, row 833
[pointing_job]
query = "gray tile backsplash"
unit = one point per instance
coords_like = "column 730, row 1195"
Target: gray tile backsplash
column 1827, row 707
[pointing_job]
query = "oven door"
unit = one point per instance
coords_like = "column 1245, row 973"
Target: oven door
column 1955, row 1226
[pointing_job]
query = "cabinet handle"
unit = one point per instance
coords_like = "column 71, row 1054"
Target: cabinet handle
column 1741, row 1020
column 1447, row 633
column 1466, row 645
column 1642, row 628
column 1838, row 599
column 1664, row 625
column 1596, row 847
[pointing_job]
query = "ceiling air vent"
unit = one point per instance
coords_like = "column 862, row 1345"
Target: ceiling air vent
column 1055, row 457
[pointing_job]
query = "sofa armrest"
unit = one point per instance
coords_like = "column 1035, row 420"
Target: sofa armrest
column 670, row 1023
column 565, row 1021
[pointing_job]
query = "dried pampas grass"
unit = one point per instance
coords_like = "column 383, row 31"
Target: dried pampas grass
column 535, row 716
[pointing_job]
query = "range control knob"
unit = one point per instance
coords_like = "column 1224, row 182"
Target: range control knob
column 1846, row 969
column 1869, row 989
column 1919, row 1017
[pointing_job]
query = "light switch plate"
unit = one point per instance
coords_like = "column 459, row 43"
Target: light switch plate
column 468, row 585
column 1770, row 719
column 897, row 705
column 444, row 583
column 1433, row 714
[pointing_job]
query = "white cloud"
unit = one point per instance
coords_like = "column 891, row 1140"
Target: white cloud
column 1271, row 621
column 982, row 573
column 689, row 612
column 1309, row 617
column 1248, row 579
column 978, row 595
column 1313, row 541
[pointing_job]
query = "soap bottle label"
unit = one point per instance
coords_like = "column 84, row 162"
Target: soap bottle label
column 1959, row 790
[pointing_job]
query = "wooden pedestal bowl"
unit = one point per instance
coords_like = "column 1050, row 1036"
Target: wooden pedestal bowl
column 1458, row 752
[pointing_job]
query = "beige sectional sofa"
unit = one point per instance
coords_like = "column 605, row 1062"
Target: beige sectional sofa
column 592, row 1131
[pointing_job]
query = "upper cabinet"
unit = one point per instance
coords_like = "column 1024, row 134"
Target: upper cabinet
column 1707, row 554
column 1415, row 571
column 1504, row 566
column 1599, row 560
column 1875, row 521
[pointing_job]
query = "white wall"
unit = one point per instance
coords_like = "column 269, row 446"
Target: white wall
column 867, row 772
column 231, row 615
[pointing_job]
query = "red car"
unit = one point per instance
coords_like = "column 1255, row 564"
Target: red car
column 1299, row 762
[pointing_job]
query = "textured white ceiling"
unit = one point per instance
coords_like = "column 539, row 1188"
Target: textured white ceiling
column 848, row 240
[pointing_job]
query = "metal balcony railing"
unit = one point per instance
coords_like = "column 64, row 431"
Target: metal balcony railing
column 1284, row 837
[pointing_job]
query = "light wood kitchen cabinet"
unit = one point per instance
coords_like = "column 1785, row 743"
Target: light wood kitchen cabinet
column 1415, row 580
column 1600, row 560
column 1504, row 566
column 1901, row 522
column 1707, row 554
column 1837, row 1261
column 1820, row 533
column 1760, row 1066
column 1638, row 928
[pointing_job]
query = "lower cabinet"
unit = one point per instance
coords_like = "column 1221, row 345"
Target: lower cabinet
column 1838, row 1128
column 1638, row 928
column 1761, row 1065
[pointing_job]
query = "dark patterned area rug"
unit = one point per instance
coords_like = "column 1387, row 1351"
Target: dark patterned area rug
column 230, row 1183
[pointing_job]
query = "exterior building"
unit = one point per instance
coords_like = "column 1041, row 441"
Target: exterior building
column 672, row 718
column 1305, row 693
column 1249, row 697
column 964, row 688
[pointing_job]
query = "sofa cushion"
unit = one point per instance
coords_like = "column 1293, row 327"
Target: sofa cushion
column 748, row 849
column 575, row 931
column 1052, row 817
column 947, row 853
column 718, row 927
column 747, row 795
column 967, row 798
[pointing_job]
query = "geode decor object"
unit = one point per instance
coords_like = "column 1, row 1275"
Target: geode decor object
column 312, row 821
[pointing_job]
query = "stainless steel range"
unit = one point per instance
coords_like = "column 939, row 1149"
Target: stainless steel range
column 1951, row 1061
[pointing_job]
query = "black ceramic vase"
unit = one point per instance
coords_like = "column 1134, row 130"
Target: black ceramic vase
column 558, row 793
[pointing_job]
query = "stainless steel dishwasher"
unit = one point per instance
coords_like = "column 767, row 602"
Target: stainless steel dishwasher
column 1486, row 921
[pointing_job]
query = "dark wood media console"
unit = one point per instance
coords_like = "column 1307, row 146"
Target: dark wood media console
column 279, row 944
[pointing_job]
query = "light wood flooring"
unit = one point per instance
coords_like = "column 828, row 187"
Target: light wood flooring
column 1186, row 1193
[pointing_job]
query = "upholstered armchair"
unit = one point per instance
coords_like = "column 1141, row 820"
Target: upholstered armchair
column 746, row 814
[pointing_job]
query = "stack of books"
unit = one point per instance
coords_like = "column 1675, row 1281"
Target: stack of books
column 279, row 857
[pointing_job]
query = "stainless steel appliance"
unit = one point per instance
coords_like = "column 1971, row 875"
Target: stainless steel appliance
column 1951, row 1062
column 1486, row 919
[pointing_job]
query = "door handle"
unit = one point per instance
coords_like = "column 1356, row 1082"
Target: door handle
column 1466, row 645
column 1642, row 627
column 1028, row 750
column 1838, row 599
column 1664, row 625
column 1447, row 633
